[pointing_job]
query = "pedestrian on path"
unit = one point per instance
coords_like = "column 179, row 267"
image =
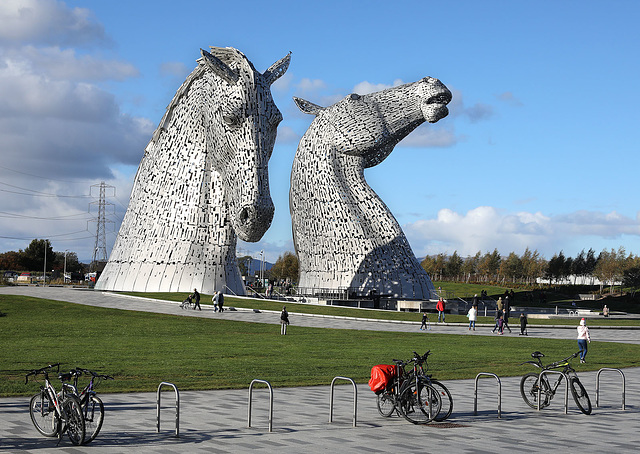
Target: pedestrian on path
column 425, row 319
column 440, row 306
column 523, row 324
column 220, row 301
column 605, row 311
column 505, row 320
column 583, row 338
column 473, row 316
column 196, row 300
column 214, row 300
column 284, row 321
column 498, row 317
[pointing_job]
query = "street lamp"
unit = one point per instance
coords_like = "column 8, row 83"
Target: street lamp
column 261, row 267
column 64, row 273
column 46, row 242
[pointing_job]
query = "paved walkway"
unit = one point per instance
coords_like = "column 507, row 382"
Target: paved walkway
column 216, row 421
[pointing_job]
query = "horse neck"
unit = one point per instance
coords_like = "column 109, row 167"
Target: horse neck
column 180, row 165
column 336, row 180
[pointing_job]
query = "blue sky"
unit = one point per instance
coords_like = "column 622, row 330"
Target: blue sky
column 540, row 148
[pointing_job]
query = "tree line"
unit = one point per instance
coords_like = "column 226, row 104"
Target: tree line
column 609, row 267
column 32, row 258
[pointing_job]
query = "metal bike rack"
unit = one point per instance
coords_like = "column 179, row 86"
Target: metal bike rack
column 270, row 401
column 475, row 399
column 175, row 389
column 598, row 384
column 355, row 399
column 566, row 388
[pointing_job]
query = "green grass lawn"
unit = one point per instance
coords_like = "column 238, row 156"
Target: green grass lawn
column 143, row 349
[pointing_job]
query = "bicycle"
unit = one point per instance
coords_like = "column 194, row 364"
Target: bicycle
column 92, row 406
column 49, row 409
column 531, row 383
column 445, row 396
column 410, row 395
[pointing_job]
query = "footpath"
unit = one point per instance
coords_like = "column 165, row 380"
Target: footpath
column 217, row 421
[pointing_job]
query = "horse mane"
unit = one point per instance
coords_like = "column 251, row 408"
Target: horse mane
column 228, row 55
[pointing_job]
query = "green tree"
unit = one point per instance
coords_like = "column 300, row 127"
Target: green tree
column 470, row 266
column 454, row 265
column 34, row 255
column 511, row 267
column 286, row 267
column 244, row 263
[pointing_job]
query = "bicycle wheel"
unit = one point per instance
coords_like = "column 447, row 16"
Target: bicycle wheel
column 529, row 390
column 386, row 403
column 73, row 419
column 580, row 396
column 447, row 402
column 93, row 411
column 43, row 414
column 420, row 403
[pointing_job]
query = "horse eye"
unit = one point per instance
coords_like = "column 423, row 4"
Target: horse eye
column 231, row 120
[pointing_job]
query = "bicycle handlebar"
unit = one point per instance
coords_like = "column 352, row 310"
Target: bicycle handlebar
column 44, row 369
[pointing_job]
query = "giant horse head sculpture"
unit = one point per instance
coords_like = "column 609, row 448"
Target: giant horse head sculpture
column 203, row 181
column 344, row 235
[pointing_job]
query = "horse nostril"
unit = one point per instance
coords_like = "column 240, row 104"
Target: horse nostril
column 244, row 215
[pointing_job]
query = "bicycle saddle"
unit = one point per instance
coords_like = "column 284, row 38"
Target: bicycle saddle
column 65, row 377
column 537, row 355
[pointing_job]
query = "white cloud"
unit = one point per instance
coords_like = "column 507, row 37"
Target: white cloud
column 486, row 228
column 426, row 135
column 47, row 21
column 365, row 87
column 311, row 86
column 286, row 135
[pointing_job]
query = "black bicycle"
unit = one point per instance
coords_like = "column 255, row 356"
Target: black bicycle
column 445, row 396
column 410, row 394
column 532, row 382
column 92, row 406
column 55, row 413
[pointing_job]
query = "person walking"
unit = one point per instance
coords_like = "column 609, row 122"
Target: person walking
column 523, row 324
column 214, row 300
column 505, row 320
column 605, row 311
column 284, row 321
column 220, row 301
column 196, row 300
column 583, row 338
column 473, row 316
column 424, row 321
column 498, row 317
column 440, row 306
column 499, row 303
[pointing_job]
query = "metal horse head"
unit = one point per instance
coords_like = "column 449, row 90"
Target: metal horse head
column 344, row 235
column 203, row 181
column 240, row 129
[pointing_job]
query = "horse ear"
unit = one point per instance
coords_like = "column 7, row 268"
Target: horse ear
column 307, row 107
column 277, row 70
column 219, row 67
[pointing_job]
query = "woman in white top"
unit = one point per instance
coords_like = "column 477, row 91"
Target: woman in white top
column 473, row 315
column 583, row 338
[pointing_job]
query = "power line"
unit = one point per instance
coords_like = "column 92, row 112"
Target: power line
column 44, row 178
column 34, row 193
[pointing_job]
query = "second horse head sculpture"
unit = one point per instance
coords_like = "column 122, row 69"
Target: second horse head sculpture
column 344, row 234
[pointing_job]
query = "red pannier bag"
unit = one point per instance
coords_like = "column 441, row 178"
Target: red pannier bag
column 381, row 376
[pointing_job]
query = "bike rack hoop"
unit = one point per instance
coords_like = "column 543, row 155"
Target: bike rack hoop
column 475, row 398
column 270, row 401
column 566, row 388
column 598, row 385
column 175, row 389
column 355, row 399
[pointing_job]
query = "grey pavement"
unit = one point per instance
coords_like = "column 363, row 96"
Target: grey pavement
column 216, row 421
